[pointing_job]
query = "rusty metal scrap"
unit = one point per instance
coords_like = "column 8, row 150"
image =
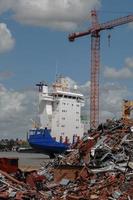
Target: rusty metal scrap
column 107, row 157
column 99, row 167
column 11, row 188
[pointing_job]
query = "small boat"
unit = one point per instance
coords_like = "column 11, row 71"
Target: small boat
column 42, row 141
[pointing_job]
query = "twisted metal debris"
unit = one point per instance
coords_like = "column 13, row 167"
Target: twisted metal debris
column 99, row 167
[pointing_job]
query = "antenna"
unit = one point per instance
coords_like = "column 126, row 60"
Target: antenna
column 56, row 70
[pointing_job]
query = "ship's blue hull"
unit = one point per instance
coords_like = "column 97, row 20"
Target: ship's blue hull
column 41, row 140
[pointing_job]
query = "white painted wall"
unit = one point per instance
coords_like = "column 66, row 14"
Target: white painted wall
column 61, row 114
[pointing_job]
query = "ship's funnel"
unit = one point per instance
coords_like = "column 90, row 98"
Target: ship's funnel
column 43, row 87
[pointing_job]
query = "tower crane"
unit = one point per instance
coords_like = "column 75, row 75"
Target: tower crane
column 94, row 31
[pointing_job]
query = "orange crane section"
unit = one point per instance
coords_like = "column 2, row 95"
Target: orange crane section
column 127, row 108
column 94, row 31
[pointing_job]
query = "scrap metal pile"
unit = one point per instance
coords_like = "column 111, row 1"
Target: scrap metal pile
column 13, row 189
column 99, row 167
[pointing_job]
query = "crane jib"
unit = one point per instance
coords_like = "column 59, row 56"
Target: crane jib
column 94, row 31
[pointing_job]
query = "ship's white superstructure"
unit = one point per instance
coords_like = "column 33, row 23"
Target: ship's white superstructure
column 60, row 110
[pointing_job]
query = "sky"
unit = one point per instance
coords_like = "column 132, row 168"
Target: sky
column 34, row 46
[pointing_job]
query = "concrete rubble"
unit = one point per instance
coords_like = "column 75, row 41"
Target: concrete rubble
column 99, row 167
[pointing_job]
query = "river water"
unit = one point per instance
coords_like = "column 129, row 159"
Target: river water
column 27, row 160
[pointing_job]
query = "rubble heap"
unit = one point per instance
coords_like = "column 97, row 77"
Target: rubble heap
column 101, row 166
column 13, row 189
column 107, row 159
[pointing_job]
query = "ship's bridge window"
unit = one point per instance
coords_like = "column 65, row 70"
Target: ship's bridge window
column 60, row 95
column 31, row 133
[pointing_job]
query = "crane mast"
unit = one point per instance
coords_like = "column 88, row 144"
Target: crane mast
column 95, row 60
column 94, row 31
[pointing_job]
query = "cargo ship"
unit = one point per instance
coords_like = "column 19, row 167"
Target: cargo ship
column 60, row 118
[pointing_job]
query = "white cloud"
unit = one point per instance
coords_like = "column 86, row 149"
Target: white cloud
column 111, row 97
column 17, row 108
column 62, row 14
column 129, row 62
column 6, row 5
column 10, row 103
column 113, row 73
column 71, row 83
column 104, row 115
column 124, row 73
column 6, row 39
column 131, row 25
